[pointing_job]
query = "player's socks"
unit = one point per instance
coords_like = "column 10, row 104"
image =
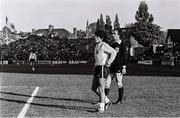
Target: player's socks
column 101, row 107
column 106, row 91
column 121, row 94
column 106, row 99
column 121, row 91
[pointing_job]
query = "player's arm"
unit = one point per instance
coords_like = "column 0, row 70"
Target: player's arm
column 108, row 49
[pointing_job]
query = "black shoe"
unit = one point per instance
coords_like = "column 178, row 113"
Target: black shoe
column 108, row 104
column 118, row 102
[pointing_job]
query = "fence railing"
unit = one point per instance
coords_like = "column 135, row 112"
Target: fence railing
column 44, row 62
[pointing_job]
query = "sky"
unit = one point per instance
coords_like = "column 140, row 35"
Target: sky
column 38, row 14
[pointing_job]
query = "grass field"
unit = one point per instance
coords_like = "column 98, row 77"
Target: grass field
column 62, row 95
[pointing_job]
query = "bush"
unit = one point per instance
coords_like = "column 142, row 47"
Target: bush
column 51, row 48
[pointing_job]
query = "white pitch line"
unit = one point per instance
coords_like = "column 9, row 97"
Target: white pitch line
column 26, row 106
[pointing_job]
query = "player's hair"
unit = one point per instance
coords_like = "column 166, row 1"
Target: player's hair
column 101, row 33
column 117, row 31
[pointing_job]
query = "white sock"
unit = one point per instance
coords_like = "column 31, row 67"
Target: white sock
column 106, row 99
column 101, row 106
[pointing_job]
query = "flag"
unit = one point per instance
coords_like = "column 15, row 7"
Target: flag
column 6, row 20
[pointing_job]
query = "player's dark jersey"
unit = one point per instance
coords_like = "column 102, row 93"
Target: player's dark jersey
column 121, row 57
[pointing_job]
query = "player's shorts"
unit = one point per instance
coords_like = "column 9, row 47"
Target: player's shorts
column 101, row 72
column 115, row 69
column 32, row 60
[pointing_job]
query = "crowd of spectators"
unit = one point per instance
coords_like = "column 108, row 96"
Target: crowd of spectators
column 53, row 49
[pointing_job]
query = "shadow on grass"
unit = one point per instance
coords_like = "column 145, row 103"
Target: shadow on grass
column 11, row 100
column 88, row 109
column 43, row 97
column 11, row 93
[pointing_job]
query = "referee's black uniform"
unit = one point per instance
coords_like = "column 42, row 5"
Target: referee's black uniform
column 117, row 66
column 121, row 57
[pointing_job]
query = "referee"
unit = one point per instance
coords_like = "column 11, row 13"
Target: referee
column 118, row 67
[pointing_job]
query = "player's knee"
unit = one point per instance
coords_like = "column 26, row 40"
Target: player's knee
column 101, row 90
column 120, row 85
column 107, row 84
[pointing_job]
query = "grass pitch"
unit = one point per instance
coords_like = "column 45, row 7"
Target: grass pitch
column 71, row 96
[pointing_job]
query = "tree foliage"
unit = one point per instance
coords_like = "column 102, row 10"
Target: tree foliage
column 108, row 29
column 142, row 14
column 116, row 23
column 101, row 22
column 48, row 48
column 144, row 30
column 105, row 27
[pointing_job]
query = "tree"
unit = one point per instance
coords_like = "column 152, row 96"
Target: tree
column 144, row 30
column 108, row 25
column 108, row 29
column 151, row 18
column 105, row 28
column 116, row 23
column 142, row 14
column 101, row 22
column 97, row 25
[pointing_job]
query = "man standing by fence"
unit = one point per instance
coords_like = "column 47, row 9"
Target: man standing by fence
column 32, row 59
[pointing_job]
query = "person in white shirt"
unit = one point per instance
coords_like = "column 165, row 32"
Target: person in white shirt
column 32, row 59
column 104, row 56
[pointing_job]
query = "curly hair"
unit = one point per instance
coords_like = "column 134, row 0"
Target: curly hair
column 102, row 34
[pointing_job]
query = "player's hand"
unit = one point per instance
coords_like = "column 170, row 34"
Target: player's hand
column 107, row 64
column 124, row 70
